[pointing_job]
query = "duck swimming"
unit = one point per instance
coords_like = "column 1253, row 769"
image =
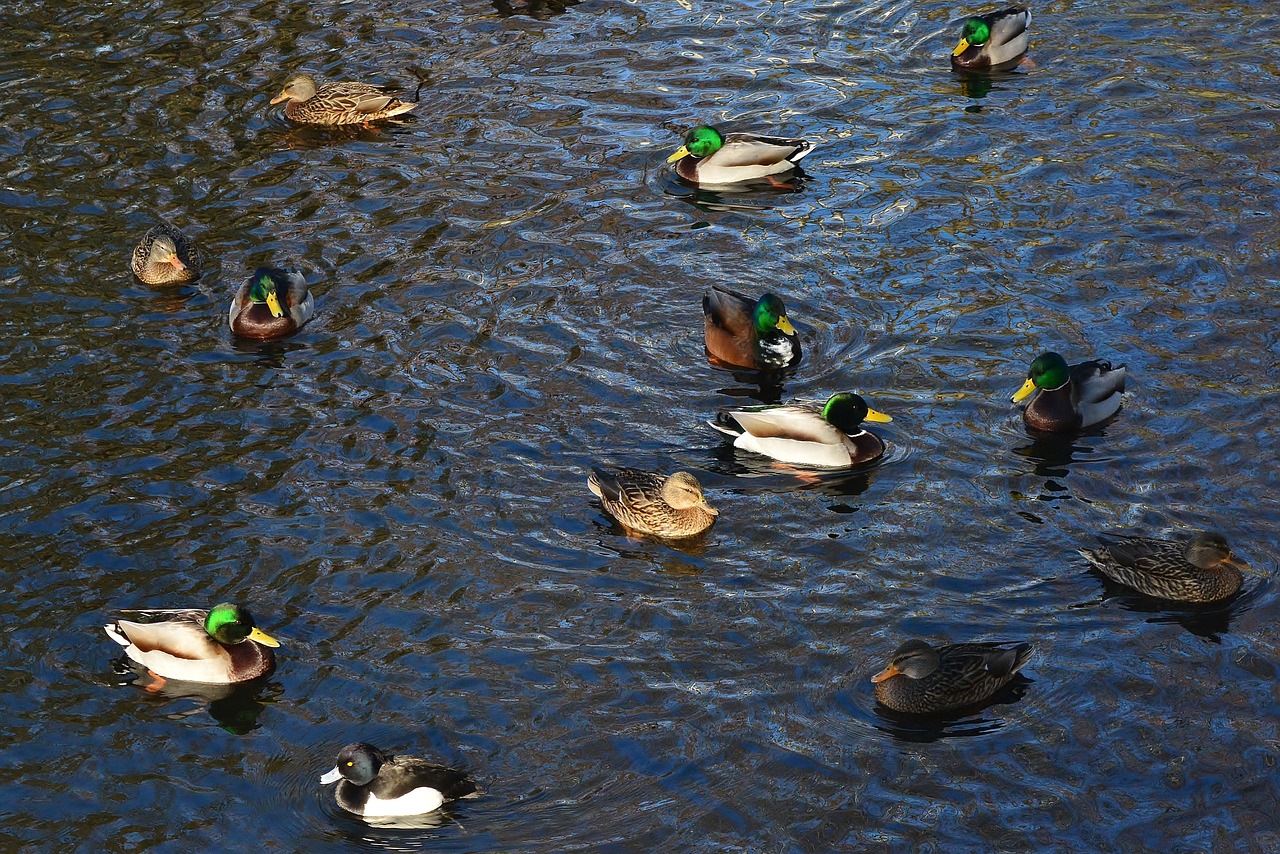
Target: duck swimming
column 376, row 784
column 220, row 646
column 993, row 42
column 805, row 434
column 1069, row 398
column 166, row 256
column 272, row 304
column 337, row 103
column 667, row 506
column 1201, row 569
column 709, row 157
column 922, row 679
column 745, row 333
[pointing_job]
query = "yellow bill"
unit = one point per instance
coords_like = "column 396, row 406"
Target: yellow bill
column 1024, row 392
column 878, row 417
column 263, row 638
column 784, row 323
column 960, row 48
column 683, row 151
column 273, row 303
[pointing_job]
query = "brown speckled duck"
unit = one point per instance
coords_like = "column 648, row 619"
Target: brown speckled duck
column 165, row 256
column 272, row 304
column 337, row 103
column 1202, row 569
column 667, row 506
column 922, row 679
column 220, row 646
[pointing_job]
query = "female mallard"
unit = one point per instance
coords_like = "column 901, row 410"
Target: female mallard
column 337, row 103
column 165, row 256
column 272, row 304
column 922, row 679
column 1070, row 397
column 993, row 42
column 746, row 333
column 671, row 507
column 805, row 434
column 707, row 157
column 221, row 646
column 377, row 784
column 1202, row 569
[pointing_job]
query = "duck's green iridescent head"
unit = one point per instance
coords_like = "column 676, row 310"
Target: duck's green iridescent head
column 1049, row 371
column 976, row 33
column 846, row 411
column 771, row 314
column 702, row 141
column 228, row 623
column 263, row 290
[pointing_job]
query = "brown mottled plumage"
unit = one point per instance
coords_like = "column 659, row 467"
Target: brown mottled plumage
column 671, row 507
column 337, row 103
column 922, row 679
column 1202, row 569
column 165, row 256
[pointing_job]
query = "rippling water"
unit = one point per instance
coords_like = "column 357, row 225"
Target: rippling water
column 508, row 293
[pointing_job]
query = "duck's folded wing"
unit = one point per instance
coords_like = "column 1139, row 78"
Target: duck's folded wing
column 179, row 638
column 742, row 149
column 799, row 422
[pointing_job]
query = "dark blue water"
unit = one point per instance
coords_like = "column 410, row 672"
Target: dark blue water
column 507, row 294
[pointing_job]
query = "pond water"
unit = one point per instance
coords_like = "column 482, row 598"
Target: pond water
column 507, row 294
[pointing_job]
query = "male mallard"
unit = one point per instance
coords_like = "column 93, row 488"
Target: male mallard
column 272, row 304
column 671, row 507
column 806, row 434
column 165, row 256
column 746, row 333
column 1070, row 397
column 337, row 103
column 220, row 646
column 377, row 784
column 707, row 157
column 1202, row 569
column 993, row 42
column 922, row 679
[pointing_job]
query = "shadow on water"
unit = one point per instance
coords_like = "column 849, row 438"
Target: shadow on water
column 540, row 10
column 267, row 354
column 960, row 723
column 764, row 386
column 236, row 708
column 758, row 195
column 1209, row 620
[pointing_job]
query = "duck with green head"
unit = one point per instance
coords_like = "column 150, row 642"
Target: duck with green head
column 710, row 157
column 337, row 103
column 805, row 434
column 166, row 256
column 924, row 679
column 993, row 42
column 746, row 333
column 1069, row 397
column 272, row 304
column 1202, row 569
column 220, row 646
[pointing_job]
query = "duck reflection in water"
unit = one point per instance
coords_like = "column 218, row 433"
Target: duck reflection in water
column 539, row 10
column 236, row 708
column 958, row 723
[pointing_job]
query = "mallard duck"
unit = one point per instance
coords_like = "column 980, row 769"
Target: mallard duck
column 165, row 256
column 806, row 434
column 1070, row 397
column 337, row 103
column 746, row 333
column 1202, row 569
column 922, row 679
column 707, row 157
column 667, row 506
column 220, row 646
column 383, row 785
column 272, row 304
column 993, row 42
